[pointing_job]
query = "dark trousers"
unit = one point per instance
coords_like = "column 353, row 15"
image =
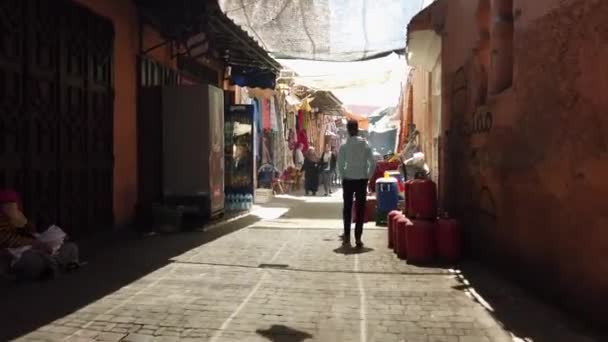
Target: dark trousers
column 358, row 188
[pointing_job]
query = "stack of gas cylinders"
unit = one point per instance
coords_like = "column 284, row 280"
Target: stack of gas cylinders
column 417, row 234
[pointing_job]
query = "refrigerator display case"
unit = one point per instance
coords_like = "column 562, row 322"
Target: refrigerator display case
column 239, row 157
column 193, row 144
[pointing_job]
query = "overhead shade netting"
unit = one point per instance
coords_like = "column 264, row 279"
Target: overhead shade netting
column 326, row 30
column 374, row 82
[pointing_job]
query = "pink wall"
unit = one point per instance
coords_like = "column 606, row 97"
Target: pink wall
column 532, row 188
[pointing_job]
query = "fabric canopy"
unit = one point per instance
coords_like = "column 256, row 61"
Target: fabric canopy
column 326, row 30
column 252, row 77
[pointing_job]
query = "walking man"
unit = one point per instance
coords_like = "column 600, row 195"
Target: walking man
column 356, row 165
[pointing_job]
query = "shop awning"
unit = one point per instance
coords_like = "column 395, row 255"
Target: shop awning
column 424, row 36
column 199, row 29
column 363, row 121
column 326, row 102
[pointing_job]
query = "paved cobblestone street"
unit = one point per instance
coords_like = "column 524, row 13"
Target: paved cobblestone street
column 279, row 278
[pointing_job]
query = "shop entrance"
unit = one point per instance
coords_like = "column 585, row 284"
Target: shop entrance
column 56, row 112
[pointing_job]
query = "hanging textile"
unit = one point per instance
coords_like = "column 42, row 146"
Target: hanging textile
column 292, row 140
column 274, row 120
column 266, row 124
column 305, row 106
column 257, row 106
column 252, row 77
column 256, row 128
column 280, row 144
column 277, row 153
column 266, row 148
column 303, row 140
column 300, row 120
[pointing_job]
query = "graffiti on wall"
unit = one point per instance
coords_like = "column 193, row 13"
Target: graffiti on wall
column 468, row 116
column 480, row 122
column 468, row 119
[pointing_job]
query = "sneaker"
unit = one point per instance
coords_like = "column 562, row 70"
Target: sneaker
column 345, row 242
column 359, row 244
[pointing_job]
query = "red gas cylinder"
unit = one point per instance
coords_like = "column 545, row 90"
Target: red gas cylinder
column 406, row 192
column 394, row 231
column 422, row 198
column 403, row 225
column 448, row 240
column 389, row 220
column 370, row 209
column 420, row 242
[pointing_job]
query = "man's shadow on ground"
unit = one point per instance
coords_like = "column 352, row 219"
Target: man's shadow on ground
column 283, row 333
column 349, row 250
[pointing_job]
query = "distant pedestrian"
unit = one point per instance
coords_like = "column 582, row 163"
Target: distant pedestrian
column 311, row 172
column 327, row 160
column 298, row 157
column 356, row 165
column 334, row 167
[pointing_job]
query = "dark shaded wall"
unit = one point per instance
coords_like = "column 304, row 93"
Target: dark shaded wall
column 529, row 163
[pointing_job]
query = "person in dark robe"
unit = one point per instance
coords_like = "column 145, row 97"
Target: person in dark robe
column 311, row 172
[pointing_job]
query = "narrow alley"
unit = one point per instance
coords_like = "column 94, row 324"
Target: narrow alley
column 177, row 170
column 276, row 275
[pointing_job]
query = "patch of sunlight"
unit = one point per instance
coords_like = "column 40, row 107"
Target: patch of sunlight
column 291, row 197
column 267, row 213
column 519, row 339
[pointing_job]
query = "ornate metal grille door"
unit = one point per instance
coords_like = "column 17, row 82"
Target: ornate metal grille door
column 56, row 112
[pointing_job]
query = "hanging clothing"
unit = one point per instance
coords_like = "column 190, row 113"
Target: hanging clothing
column 303, row 140
column 257, row 128
column 300, row 120
column 266, row 117
column 292, row 140
column 274, row 120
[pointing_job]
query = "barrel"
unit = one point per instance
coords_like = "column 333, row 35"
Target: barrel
column 400, row 182
column 420, row 242
column 387, row 194
column 422, row 199
column 389, row 220
column 448, row 240
column 403, row 225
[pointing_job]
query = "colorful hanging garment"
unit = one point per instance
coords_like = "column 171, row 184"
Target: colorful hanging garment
column 266, row 121
column 274, row 120
column 303, row 139
column 292, row 140
column 300, row 120
column 257, row 123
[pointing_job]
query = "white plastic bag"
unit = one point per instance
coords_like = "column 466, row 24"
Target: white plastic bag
column 416, row 161
column 53, row 237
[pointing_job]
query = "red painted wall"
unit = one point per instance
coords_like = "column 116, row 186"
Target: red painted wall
column 126, row 47
column 532, row 186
